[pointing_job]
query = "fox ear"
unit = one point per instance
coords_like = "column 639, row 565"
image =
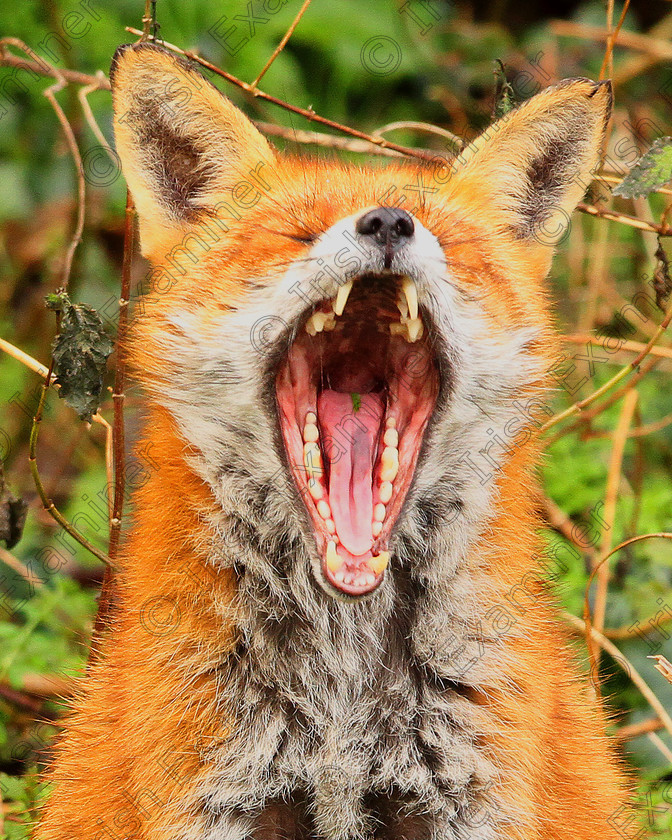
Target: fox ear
column 532, row 167
column 183, row 145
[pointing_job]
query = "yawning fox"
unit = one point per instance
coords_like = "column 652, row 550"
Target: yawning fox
column 316, row 634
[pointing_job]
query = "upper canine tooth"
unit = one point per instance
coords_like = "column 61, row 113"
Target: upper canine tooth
column 411, row 293
column 415, row 329
column 338, row 304
column 402, row 306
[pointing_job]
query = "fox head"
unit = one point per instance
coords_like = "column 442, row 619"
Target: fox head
column 353, row 356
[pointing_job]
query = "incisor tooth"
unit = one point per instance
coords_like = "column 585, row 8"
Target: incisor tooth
column 378, row 564
column 342, row 297
column 334, row 562
column 389, row 463
column 317, row 322
column 411, row 294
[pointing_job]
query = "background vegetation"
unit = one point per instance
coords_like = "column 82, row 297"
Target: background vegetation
column 606, row 473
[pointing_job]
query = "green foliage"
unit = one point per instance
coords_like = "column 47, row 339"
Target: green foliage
column 652, row 170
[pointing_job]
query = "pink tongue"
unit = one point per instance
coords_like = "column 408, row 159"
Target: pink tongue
column 350, row 442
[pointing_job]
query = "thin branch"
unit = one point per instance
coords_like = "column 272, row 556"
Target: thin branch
column 42, row 68
column 82, row 95
column 47, row 503
column 626, row 665
column 611, row 495
column 634, row 730
column 608, row 61
column 623, row 218
column 578, row 406
column 308, row 114
column 330, row 141
column 281, row 45
column 630, row 346
column 457, row 142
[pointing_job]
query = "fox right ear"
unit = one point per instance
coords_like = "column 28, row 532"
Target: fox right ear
column 183, row 145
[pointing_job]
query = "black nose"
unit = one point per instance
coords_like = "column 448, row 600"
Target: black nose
column 386, row 225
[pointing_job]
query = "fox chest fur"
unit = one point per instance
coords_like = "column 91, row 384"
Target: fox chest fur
column 345, row 372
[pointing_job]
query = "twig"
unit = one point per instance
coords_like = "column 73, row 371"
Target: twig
column 82, row 95
column 608, row 61
column 281, row 45
column 626, row 665
column 47, row 503
column 43, row 68
column 457, row 142
column 24, row 358
column 50, row 94
column 303, row 112
column 613, row 481
column 658, row 742
column 623, row 218
column 330, row 141
column 660, row 49
column 20, row 568
column 634, row 730
column 630, row 346
column 578, row 406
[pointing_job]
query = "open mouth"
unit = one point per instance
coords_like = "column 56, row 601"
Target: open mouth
column 355, row 392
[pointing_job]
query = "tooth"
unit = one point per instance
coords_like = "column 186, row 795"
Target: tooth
column 330, row 525
column 391, row 422
column 376, row 528
column 315, row 488
column 311, row 417
column 317, row 322
column 312, row 458
column 385, row 492
column 330, row 323
column 311, row 433
column 402, row 306
column 338, row 304
column 390, row 438
column 334, row 562
column 323, row 509
column 379, row 512
column 379, row 562
column 369, row 578
column 396, row 328
column 415, row 330
column 389, row 463
column 349, row 577
column 410, row 291
column 340, row 575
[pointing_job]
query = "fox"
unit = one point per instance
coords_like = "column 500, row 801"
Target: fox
column 331, row 620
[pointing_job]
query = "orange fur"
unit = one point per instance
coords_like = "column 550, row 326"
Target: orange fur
column 134, row 742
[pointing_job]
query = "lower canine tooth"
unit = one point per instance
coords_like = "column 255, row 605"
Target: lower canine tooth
column 334, row 562
column 342, row 297
column 378, row 564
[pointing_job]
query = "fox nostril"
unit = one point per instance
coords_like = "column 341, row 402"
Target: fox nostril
column 386, row 224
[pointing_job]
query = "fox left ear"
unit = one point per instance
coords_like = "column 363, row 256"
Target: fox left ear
column 183, row 145
column 529, row 170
